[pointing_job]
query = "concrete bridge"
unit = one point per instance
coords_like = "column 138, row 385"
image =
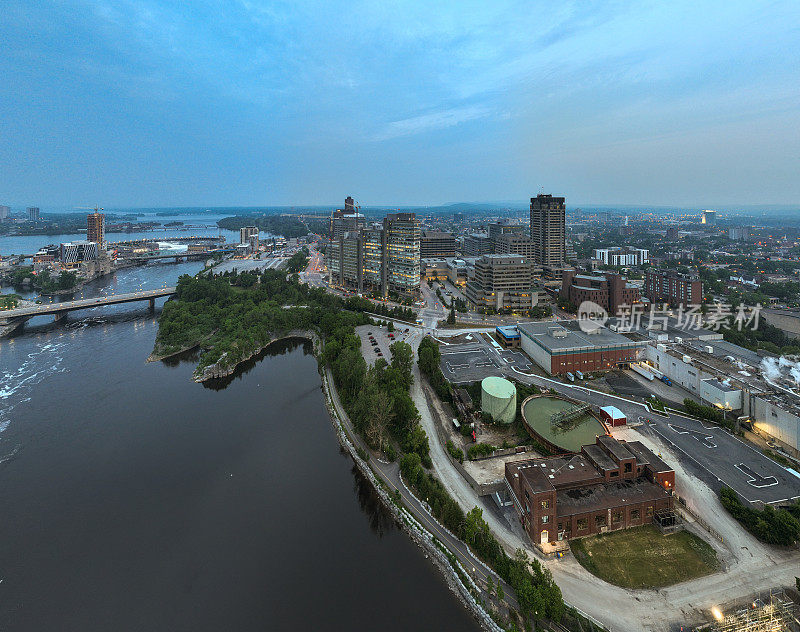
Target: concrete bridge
column 12, row 319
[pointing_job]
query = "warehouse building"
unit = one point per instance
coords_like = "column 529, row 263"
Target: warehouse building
column 561, row 347
column 608, row 485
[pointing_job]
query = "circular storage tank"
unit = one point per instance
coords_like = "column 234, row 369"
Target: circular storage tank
column 499, row 399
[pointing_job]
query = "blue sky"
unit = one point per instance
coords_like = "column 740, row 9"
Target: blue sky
column 137, row 103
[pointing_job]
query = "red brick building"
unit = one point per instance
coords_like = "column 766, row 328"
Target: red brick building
column 607, row 486
column 674, row 288
column 609, row 290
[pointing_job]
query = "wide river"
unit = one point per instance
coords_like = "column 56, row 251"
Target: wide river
column 135, row 499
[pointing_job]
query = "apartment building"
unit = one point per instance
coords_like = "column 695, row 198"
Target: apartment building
column 622, row 256
column 674, row 288
column 608, row 290
column 548, row 230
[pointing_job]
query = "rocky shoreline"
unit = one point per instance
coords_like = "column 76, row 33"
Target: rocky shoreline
column 418, row 534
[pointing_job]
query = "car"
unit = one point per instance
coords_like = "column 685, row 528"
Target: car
column 369, row 333
column 377, row 350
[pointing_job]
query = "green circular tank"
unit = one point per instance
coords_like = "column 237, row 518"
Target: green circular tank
column 499, row 399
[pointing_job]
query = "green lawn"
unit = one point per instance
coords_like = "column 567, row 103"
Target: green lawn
column 643, row 558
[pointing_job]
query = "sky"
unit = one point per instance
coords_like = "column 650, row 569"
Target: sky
column 148, row 103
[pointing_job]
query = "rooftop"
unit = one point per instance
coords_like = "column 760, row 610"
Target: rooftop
column 602, row 497
column 568, row 336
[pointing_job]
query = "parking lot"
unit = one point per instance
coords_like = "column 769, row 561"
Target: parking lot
column 727, row 459
column 382, row 340
column 474, row 360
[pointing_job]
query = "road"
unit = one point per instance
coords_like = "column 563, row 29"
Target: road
column 390, row 474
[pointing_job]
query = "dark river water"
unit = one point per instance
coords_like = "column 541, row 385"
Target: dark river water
column 135, row 499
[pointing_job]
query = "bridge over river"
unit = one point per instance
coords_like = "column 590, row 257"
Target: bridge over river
column 12, row 319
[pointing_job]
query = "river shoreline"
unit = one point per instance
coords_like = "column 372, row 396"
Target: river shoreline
column 415, row 531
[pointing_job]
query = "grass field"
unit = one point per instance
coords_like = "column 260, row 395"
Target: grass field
column 643, row 558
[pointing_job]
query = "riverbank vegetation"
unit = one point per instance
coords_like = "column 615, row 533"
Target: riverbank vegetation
column 773, row 526
column 289, row 226
column 232, row 316
column 9, row 301
column 43, row 281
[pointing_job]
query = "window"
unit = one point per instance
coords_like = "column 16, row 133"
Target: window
column 568, row 526
column 545, row 504
column 545, row 519
column 616, row 517
column 583, row 524
column 649, row 512
column 614, row 473
column 560, row 526
column 635, row 514
column 628, row 468
column 600, row 520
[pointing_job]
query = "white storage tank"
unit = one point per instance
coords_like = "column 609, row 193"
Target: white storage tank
column 499, row 399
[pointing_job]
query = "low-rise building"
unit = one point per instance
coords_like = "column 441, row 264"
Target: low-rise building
column 622, row 256
column 610, row 291
column 607, row 486
column 562, row 346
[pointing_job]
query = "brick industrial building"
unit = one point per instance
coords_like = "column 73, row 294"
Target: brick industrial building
column 608, row 290
column 675, row 288
column 561, row 347
column 607, row 486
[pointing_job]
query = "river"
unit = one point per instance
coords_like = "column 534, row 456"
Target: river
column 134, row 499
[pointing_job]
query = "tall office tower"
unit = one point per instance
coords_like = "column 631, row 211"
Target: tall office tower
column 373, row 245
column 349, row 205
column 96, row 228
column 33, row 213
column 5, row 211
column 342, row 221
column 548, row 230
column 249, row 235
column 402, row 252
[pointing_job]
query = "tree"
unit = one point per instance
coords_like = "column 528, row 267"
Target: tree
column 390, row 327
column 451, row 317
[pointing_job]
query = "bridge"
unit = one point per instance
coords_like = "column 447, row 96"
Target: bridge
column 12, row 319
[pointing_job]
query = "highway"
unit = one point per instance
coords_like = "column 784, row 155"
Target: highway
column 65, row 306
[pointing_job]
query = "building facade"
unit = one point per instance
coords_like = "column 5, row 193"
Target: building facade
column 619, row 256
column 74, row 252
column 502, row 282
column 515, row 244
column 248, row 235
column 562, row 347
column 476, row 245
column 548, row 230
column 96, row 228
column 5, row 211
column 674, row 288
column 436, row 244
column 607, row 486
column 33, row 213
column 608, row 290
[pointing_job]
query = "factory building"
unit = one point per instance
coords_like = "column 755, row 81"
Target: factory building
column 608, row 485
column 561, row 347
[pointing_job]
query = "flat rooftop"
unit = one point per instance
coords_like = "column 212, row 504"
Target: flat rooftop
column 601, row 497
column 563, row 336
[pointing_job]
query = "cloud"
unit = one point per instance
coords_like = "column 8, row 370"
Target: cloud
column 432, row 121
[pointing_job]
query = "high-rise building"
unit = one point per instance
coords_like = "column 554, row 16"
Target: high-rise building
column 437, row 244
column 33, row 213
column 248, row 235
column 349, row 205
column 675, row 288
column 381, row 258
column 476, row 245
column 75, row 252
column 548, row 230
column 502, row 282
column 504, row 228
column 514, row 244
column 402, row 252
column 736, row 234
column 5, row 211
column 96, row 228
column 709, row 217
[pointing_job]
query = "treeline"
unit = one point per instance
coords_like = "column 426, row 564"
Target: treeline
column 43, row 281
column 706, row 412
column 234, row 315
column 287, row 225
column 377, row 398
column 537, row 594
column 773, row 526
column 360, row 304
column 298, row 261
column 766, row 337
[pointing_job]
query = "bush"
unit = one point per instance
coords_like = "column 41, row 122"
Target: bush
column 478, row 450
column 456, row 453
column 769, row 525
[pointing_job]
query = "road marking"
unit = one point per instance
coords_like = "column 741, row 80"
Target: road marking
column 756, row 480
column 702, row 437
